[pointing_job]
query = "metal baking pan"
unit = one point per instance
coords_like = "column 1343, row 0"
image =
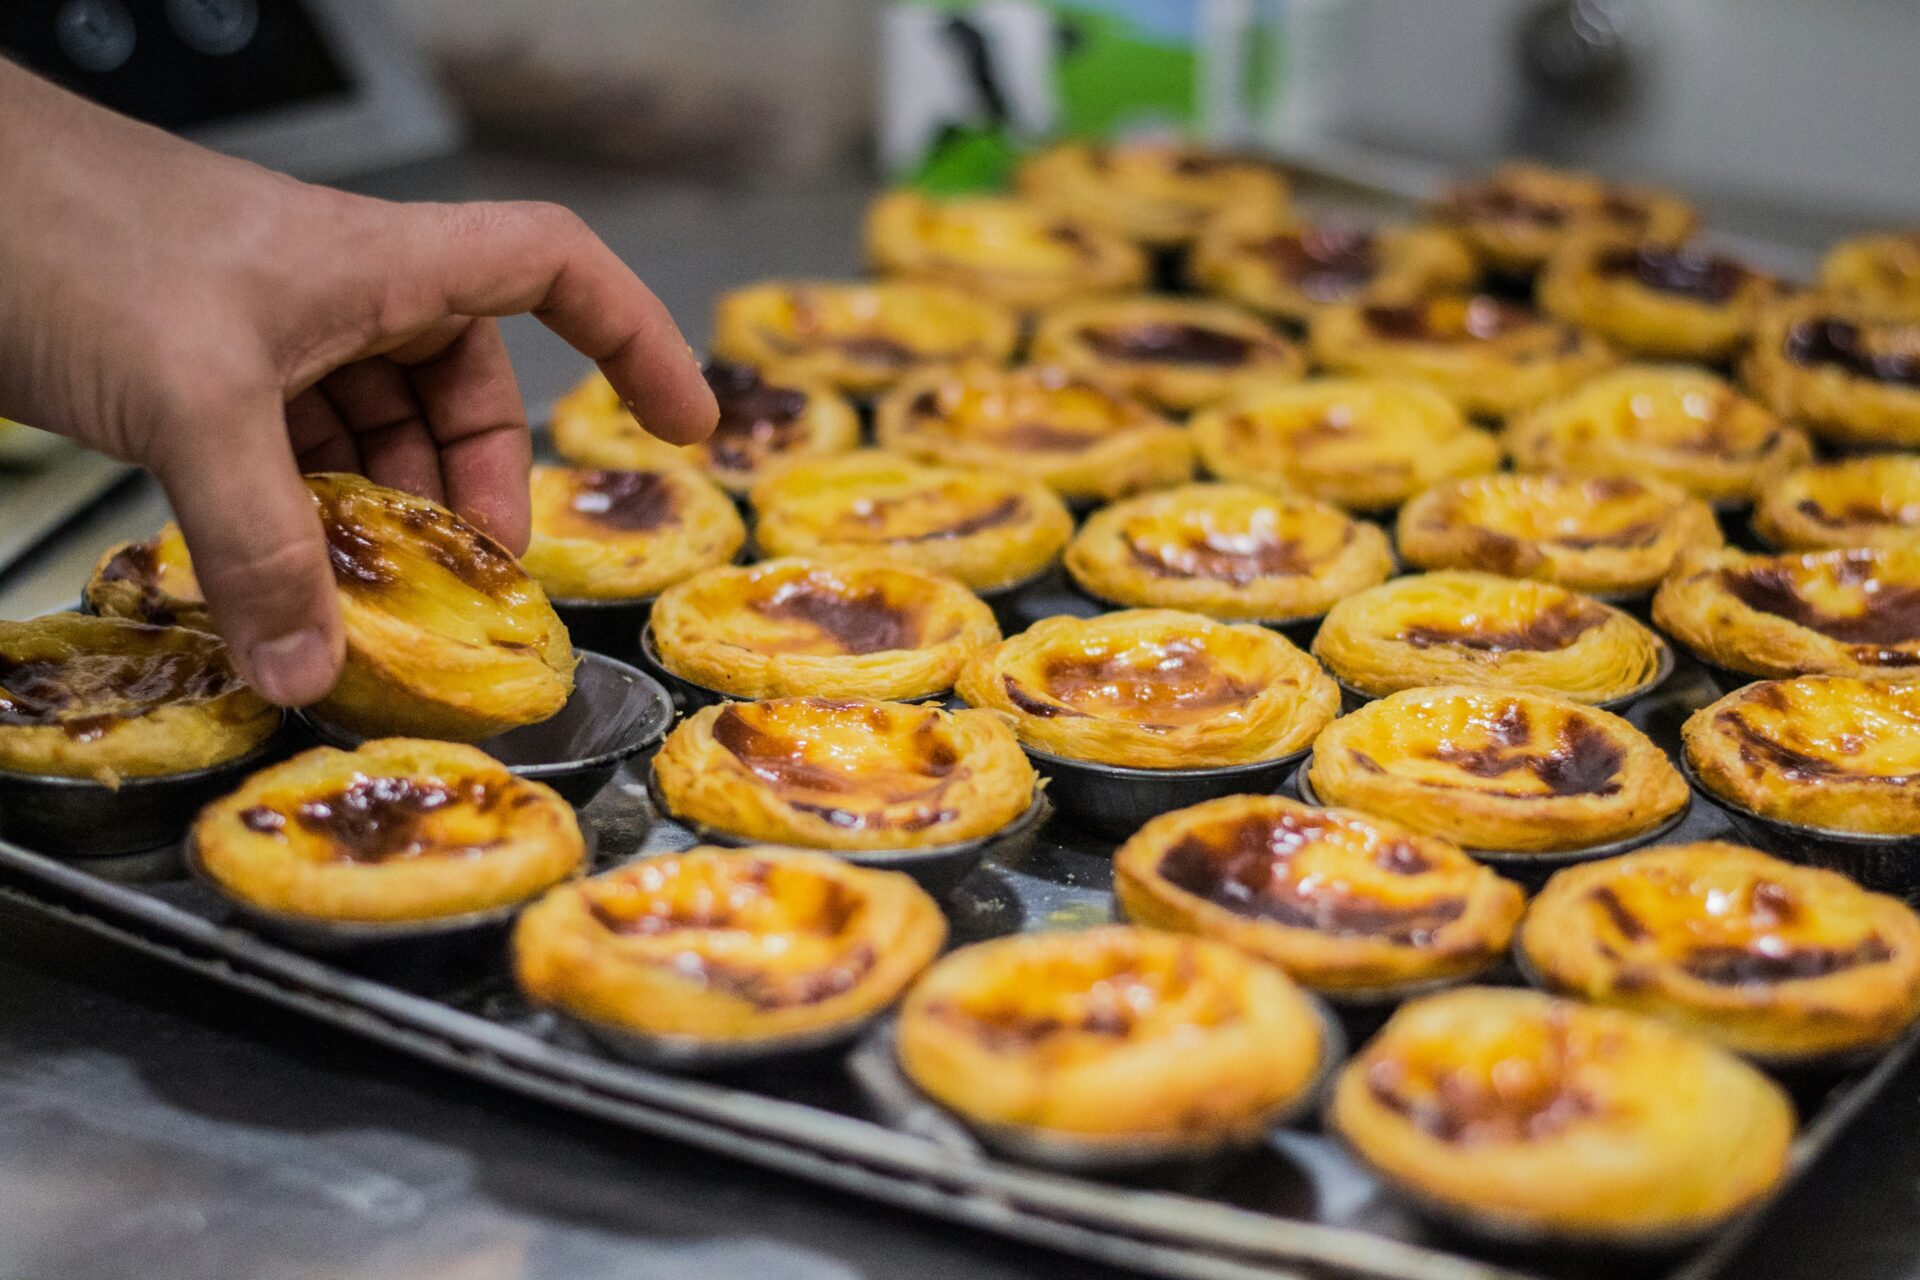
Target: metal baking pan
column 1295, row 1204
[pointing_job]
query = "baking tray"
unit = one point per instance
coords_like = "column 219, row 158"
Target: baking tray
column 1297, row 1206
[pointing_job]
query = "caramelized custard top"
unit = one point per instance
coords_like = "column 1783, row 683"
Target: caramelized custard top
column 1866, row 599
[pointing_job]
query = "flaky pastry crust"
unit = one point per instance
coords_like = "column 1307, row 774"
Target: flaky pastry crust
column 622, row 535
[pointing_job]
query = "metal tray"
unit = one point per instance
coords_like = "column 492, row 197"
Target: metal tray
column 1296, row 1205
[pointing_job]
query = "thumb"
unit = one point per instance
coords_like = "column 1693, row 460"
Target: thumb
column 254, row 535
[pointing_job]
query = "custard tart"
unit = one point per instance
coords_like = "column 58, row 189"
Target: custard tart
column 1113, row 1035
column 1013, row 251
column 1084, row 439
column 621, row 535
column 766, row 419
column 741, row 950
column 151, row 581
column 1781, row 962
column 844, row 774
column 1229, row 551
column 1515, row 217
column 1879, row 274
column 1610, row 535
column 1530, row 1117
column 447, row 636
column 1492, row 358
column 1828, row 752
column 1296, row 272
column 1345, row 903
column 1854, row 613
column 991, row 529
column 1869, row 501
column 1153, row 689
column 1682, row 425
column 859, row 338
column 1366, row 444
column 1662, row 301
column 1176, row 353
column 1458, row 627
column 1853, row 377
column 1157, row 194
column 110, row 698
column 1497, row 770
column 858, row 627
column 399, row 830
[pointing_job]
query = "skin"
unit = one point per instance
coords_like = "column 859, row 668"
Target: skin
column 228, row 328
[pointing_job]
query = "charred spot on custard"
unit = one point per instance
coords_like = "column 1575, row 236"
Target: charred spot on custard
column 757, row 418
column 1890, row 613
column 86, row 697
column 1761, row 751
column 1843, row 345
column 875, row 514
column 1183, row 680
column 359, row 558
column 1583, row 761
column 1694, row 274
column 918, row 768
column 1325, row 263
column 1549, row 630
column 1238, row 558
column 1463, row 1107
column 626, row 501
column 1164, row 342
column 379, row 819
column 857, row 619
column 1482, row 319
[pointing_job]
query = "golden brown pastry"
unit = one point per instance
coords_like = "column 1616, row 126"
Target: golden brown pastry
column 1153, row 689
column 1229, row 551
column 1853, row 613
column 1871, row 501
column 1515, row 217
column 1159, row 194
column 1084, row 439
column 1532, row 1116
column 845, row 774
column 1662, row 422
column 727, row 946
column 1492, row 358
column 1456, row 627
column 1367, row 444
column 1013, row 251
column 1828, row 752
column 1657, row 300
column 766, row 419
column 989, row 528
column 1345, row 903
column 151, row 581
column 1497, row 770
column 1879, row 274
column 1611, row 535
column 1764, row 957
column 858, row 627
column 447, row 636
column 1296, row 272
column 621, row 535
column 860, row 338
column 107, row 698
column 1177, row 353
column 1111, row 1034
column 1853, row 377
column 400, row 830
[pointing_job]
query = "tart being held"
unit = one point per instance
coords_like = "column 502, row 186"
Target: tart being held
column 109, row 698
column 1015, row 252
column 398, row 831
column 447, row 636
column 1767, row 958
column 992, row 529
column 846, row 774
column 1527, row 1116
column 623, row 535
column 1229, row 551
column 1610, row 535
column 1176, row 353
column 856, row 627
column 766, row 418
column 1344, row 902
column 1456, row 627
column 1497, row 770
column 1153, row 689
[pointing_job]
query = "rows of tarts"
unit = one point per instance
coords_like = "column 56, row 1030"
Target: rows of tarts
column 865, row 700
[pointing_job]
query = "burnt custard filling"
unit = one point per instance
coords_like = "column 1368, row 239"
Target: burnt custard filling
column 824, row 615
column 1173, row 548
column 1160, row 684
column 624, row 502
column 1845, row 596
column 1695, row 275
column 85, row 694
column 1165, row 342
column 891, row 780
column 1053, row 413
column 1575, row 758
column 1464, row 321
column 1326, row 264
column 1540, row 1096
column 759, row 420
column 376, row 819
column 1887, row 354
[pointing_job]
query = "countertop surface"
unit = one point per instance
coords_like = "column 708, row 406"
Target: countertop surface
column 153, row 1124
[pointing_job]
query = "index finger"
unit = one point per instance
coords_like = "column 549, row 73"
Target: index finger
column 503, row 259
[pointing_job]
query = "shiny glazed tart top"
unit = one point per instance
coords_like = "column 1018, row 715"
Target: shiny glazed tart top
column 1365, row 444
column 1158, row 193
column 1470, row 1098
column 83, row 676
column 1819, row 751
column 1019, row 412
column 610, row 504
column 151, row 581
column 820, row 609
column 1474, row 628
column 1858, row 502
column 600, row 534
column 1176, row 352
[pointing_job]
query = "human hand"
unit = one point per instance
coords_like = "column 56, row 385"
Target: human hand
column 227, row 328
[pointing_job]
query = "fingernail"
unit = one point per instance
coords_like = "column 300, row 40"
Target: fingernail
column 292, row 670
